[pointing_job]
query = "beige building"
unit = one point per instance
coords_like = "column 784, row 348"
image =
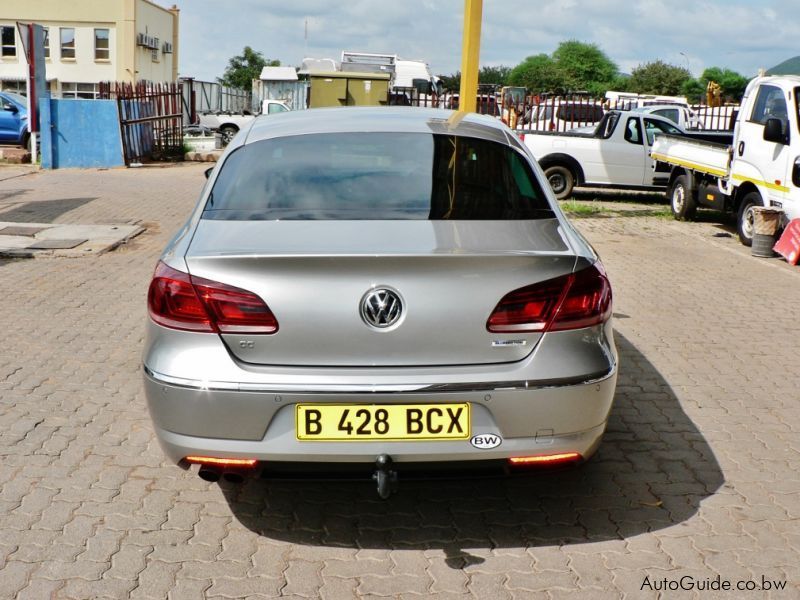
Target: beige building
column 89, row 41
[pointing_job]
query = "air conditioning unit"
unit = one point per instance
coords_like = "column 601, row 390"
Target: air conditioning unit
column 141, row 40
column 167, row 49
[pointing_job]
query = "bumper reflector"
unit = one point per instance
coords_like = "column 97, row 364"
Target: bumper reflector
column 223, row 462
column 545, row 459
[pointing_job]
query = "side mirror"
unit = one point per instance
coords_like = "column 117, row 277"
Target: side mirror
column 773, row 131
column 208, row 172
column 10, row 107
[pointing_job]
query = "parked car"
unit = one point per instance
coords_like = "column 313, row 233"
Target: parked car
column 562, row 116
column 615, row 154
column 229, row 124
column 13, row 119
column 381, row 289
column 680, row 114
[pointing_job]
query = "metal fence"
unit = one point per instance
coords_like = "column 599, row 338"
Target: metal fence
column 556, row 113
column 292, row 93
column 150, row 119
column 199, row 97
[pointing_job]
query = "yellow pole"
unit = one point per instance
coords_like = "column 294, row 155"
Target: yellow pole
column 470, row 55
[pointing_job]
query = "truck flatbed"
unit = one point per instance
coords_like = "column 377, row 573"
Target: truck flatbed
column 694, row 152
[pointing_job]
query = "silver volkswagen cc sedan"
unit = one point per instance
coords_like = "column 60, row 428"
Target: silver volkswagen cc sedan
column 381, row 289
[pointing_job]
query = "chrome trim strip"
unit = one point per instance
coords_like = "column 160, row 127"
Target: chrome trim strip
column 478, row 386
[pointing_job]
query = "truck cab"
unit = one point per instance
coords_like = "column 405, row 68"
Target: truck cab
column 766, row 147
column 759, row 167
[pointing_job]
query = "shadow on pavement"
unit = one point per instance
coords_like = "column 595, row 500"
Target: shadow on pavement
column 42, row 211
column 651, row 472
column 611, row 195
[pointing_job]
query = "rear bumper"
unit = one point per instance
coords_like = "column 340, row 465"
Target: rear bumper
column 261, row 425
column 556, row 400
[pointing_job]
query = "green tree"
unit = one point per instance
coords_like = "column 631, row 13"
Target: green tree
column 497, row 75
column 658, row 77
column 538, row 73
column 694, row 90
column 584, row 66
column 620, row 83
column 573, row 66
column 245, row 67
column 451, row 82
column 731, row 82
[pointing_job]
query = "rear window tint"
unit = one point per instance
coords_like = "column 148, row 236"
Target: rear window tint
column 372, row 176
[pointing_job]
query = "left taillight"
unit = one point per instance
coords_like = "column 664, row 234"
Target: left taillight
column 573, row 301
column 180, row 301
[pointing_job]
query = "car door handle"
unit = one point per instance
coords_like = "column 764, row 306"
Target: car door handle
column 741, row 148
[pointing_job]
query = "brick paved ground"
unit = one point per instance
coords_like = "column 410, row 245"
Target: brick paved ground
column 699, row 474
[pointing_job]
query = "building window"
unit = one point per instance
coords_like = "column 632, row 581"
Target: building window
column 86, row 91
column 101, row 47
column 16, row 87
column 46, row 36
column 67, row 42
column 8, row 41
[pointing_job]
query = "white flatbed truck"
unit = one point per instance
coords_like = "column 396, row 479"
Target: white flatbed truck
column 760, row 166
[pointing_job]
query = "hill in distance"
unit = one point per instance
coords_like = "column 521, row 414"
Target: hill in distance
column 790, row 66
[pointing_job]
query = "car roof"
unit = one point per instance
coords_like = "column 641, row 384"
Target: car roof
column 394, row 119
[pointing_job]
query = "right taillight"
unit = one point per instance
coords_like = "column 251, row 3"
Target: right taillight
column 179, row 301
column 571, row 301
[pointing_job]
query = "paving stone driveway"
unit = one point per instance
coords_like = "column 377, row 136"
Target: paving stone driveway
column 699, row 475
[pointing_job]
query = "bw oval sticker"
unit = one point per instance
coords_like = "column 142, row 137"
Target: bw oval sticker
column 486, row 441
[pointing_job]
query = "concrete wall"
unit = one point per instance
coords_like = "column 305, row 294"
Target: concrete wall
column 125, row 19
column 84, row 134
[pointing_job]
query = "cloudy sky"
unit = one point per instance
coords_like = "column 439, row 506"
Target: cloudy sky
column 739, row 34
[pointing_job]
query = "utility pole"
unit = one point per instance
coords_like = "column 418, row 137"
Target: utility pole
column 470, row 55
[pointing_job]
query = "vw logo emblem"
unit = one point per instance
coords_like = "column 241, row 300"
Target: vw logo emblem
column 381, row 308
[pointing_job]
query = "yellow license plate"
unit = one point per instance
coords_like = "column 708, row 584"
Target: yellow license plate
column 356, row 422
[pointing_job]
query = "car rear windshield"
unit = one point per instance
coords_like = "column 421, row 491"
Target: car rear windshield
column 371, row 176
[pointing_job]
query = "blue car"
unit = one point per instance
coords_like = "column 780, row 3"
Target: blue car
column 13, row 119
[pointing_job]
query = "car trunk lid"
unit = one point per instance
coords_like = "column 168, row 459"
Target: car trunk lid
column 316, row 275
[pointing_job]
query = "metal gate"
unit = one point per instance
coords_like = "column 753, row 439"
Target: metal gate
column 150, row 119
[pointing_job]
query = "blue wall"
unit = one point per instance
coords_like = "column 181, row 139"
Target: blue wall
column 83, row 134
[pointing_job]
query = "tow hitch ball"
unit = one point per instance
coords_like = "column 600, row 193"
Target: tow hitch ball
column 385, row 476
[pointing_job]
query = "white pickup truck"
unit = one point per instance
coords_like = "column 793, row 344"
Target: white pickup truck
column 229, row 124
column 616, row 154
column 759, row 166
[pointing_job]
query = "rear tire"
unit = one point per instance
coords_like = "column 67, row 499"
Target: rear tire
column 561, row 179
column 744, row 223
column 681, row 199
column 228, row 133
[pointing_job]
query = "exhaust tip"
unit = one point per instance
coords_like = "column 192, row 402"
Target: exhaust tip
column 209, row 474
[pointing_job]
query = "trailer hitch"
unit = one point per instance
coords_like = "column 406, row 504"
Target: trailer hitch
column 385, row 476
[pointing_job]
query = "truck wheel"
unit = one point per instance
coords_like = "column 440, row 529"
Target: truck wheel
column 228, row 133
column 561, row 180
column 744, row 223
column 681, row 199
